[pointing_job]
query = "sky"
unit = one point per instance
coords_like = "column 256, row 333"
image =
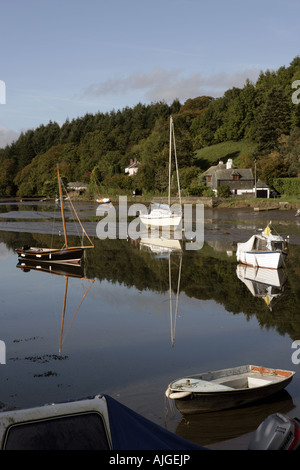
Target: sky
column 62, row 59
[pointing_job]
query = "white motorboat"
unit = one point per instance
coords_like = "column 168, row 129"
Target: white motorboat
column 264, row 250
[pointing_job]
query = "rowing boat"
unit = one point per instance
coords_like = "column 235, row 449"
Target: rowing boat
column 226, row 388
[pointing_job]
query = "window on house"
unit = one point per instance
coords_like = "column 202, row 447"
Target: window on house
column 236, row 177
column 209, row 179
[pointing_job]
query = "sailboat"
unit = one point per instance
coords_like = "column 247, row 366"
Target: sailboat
column 162, row 215
column 67, row 254
column 100, row 199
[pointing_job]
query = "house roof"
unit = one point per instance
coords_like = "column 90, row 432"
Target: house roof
column 261, row 184
column 222, row 175
column 226, row 174
column 244, row 173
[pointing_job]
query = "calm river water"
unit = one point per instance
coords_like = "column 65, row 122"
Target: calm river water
column 120, row 333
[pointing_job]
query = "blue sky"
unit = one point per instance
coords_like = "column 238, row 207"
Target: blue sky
column 61, row 59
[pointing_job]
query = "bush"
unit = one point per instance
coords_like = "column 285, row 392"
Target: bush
column 223, row 191
column 287, row 186
column 208, row 193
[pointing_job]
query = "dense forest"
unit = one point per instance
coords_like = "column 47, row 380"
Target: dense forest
column 262, row 113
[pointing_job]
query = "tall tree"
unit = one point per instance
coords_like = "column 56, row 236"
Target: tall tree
column 273, row 120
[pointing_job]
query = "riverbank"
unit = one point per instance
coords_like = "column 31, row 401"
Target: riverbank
column 257, row 204
column 227, row 203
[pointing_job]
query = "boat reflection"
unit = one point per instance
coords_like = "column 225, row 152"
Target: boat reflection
column 74, row 270
column 161, row 246
column 164, row 248
column 67, row 271
column 211, row 428
column 263, row 283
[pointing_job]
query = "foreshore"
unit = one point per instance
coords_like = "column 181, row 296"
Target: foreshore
column 209, row 202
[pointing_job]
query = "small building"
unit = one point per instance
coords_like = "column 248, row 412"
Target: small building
column 262, row 189
column 133, row 167
column 239, row 180
column 77, row 187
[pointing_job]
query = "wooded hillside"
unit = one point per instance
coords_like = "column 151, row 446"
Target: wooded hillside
column 259, row 121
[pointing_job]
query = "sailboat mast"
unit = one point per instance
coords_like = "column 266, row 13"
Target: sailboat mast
column 62, row 207
column 172, row 138
column 63, row 314
column 176, row 164
column 170, row 159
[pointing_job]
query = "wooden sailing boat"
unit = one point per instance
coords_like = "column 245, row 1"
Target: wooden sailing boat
column 67, row 254
column 162, row 215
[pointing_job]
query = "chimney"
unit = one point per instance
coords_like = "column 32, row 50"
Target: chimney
column 229, row 164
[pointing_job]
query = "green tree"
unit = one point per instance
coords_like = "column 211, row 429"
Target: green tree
column 7, row 186
column 273, row 120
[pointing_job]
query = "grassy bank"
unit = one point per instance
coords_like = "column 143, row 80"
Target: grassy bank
column 211, row 155
column 283, row 203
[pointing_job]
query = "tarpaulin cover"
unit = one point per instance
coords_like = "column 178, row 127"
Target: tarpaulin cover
column 131, row 431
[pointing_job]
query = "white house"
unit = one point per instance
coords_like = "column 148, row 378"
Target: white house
column 239, row 180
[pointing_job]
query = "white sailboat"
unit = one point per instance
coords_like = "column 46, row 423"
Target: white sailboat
column 100, row 199
column 162, row 215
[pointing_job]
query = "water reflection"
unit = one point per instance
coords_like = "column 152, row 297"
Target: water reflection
column 264, row 283
column 164, row 248
column 66, row 271
column 120, row 342
column 209, row 273
column 214, row 427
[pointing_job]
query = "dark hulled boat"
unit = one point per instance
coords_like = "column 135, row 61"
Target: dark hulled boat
column 65, row 255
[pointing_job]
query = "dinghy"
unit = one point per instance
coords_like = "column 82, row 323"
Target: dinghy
column 226, row 388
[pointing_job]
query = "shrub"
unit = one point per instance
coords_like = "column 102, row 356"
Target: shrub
column 287, row 186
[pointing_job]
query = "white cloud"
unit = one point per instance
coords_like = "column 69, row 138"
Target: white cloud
column 160, row 84
column 7, row 136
